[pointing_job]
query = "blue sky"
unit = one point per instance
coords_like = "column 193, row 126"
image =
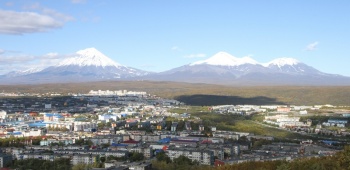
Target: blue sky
column 157, row 35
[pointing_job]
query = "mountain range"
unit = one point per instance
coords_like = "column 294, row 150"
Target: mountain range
column 222, row 68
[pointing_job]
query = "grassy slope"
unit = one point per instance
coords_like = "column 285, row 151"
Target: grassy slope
column 237, row 123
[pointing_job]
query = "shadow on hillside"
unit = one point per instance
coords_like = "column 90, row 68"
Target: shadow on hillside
column 210, row 100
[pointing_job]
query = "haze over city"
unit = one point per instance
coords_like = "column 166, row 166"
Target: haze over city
column 160, row 35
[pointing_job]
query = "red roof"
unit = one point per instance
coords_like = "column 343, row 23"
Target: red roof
column 130, row 141
column 206, row 141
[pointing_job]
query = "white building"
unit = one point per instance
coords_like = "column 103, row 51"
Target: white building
column 204, row 157
column 107, row 117
column 32, row 132
column 3, row 114
column 86, row 159
column 303, row 112
column 5, row 160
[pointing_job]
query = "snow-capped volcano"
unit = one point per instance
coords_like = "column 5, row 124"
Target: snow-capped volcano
column 85, row 65
column 280, row 62
column 89, row 57
column 223, row 68
column 226, row 59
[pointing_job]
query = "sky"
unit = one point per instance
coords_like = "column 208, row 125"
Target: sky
column 158, row 35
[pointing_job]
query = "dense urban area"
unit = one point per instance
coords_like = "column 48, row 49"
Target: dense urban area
column 134, row 130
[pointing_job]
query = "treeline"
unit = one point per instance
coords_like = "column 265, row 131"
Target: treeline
column 19, row 141
column 182, row 162
column 59, row 164
column 339, row 161
column 212, row 100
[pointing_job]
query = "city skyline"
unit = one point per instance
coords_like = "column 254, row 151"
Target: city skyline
column 158, row 36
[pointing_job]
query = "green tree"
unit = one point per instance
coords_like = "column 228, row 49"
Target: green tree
column 135, row 156
column 105, row 145
column 161, row 156
column 344, row 158
column 182, row 160
column 81, row 167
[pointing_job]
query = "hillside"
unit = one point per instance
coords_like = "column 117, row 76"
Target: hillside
column 299, row 95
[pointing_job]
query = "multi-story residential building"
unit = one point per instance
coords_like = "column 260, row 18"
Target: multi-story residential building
column 204, row 157
column 150, row 138
column 140, row 166
column 48, row 142
column 226, row 135
column 42, row 156
column 174, row 126
column 118, row 153
column 5, row 159
column 109, row 139
column 83, row 159
column 184, row 143
column 32, row 132
column 146, row 151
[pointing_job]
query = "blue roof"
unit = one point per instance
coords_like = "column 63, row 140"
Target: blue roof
column 118, row 144
column 49, row 114
column 53, row 115
column 164, row 140
column 58, row 116
column 37, row 124
column 329, row 142
column 16, row 133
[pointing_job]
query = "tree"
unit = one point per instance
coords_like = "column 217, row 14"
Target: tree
column 105, row 145
column 135, row 156
column 344, row 158
column 161, row 156
column 103, row 159
column 81, row 166
column 111, row 157
column 182, row 160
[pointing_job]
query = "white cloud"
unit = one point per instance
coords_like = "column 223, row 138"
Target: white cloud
column 2, row 51
column 9, row 3
column 36, row 19
column 78, row 1
column 175, row 48
column 51, row 55
column 20, row 62
column 200, row 55
column 312, row 46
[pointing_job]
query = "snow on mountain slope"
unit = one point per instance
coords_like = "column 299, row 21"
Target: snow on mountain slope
column 221, row 68
column 247, row 65
column 92, row 63
column 89, row 57
column 86, row 65
column 225, row 59
column 280, row 62
column 23, row 72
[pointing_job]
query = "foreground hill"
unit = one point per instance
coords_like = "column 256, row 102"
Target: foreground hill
column 299, row 95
